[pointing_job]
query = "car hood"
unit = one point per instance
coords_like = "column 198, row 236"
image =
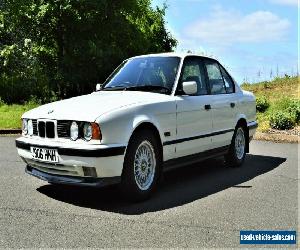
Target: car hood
column 89, row 107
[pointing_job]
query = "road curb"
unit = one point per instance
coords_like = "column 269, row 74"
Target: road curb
column 276, row 137
column 10, row 131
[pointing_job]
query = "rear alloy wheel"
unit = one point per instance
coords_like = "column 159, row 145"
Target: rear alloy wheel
column 240, row 143
column 141, row 166
column 237, row 151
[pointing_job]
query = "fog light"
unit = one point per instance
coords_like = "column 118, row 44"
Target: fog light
column 89, row 171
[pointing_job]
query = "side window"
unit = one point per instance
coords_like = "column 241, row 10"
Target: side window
column 215, row 78
column 193, row 71
column 229, row 85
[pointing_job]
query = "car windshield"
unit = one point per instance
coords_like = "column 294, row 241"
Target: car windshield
column 155, row 74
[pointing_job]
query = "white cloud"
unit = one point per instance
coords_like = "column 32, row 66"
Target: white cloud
column 285, row 2
column 229, row 27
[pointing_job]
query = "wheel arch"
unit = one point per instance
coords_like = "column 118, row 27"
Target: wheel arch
column 144, row 122
column 146, row 125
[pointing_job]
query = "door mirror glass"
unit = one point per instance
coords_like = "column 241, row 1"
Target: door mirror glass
column 189, row 87
column 98, row 86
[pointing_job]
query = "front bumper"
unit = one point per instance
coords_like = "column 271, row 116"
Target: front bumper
column 72, row 180
column 75, row 159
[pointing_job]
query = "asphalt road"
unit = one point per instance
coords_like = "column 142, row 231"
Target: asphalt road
column 204, row 205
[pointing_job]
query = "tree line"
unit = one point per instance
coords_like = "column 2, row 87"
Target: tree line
column 53, row 49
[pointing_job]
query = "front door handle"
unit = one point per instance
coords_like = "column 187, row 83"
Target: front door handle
column 207, row 106
column 232, row 104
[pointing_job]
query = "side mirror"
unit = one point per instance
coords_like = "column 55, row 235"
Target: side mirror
column 189, row 88
column 98, row 86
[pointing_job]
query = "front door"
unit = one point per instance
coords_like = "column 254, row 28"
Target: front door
column 194, row 116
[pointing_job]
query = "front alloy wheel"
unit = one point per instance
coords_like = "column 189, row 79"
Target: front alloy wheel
column 141, row 166
column 144, row 165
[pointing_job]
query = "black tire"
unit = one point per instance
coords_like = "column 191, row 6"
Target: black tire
column 129, row 184
column 234, row 158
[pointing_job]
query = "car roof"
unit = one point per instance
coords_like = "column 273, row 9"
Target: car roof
column 172, row 54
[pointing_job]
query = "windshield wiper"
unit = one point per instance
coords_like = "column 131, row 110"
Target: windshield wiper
column 118, row 87
column 148, row 87
column 138, row 87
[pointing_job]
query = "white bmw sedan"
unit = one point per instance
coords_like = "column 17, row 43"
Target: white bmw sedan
column 153, row 113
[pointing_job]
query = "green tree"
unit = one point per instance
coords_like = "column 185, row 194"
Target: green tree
column 67, row 46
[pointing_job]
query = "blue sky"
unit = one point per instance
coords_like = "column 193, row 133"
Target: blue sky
column 253, row 39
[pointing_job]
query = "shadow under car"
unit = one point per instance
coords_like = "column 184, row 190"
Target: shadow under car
column 180, row 186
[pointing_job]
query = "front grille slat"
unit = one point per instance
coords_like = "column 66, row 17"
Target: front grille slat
column 50, row 133
column 63, row 129
column 48, row 129
column 41, row 128
column 34, row 125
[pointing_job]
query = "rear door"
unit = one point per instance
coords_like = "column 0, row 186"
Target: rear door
column 223, row 105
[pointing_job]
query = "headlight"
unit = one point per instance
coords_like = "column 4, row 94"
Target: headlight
column 87, row 131
column 30, row 127
column 74, row 131
column 24, row 127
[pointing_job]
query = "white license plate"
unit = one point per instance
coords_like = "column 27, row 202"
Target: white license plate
column 44, row 154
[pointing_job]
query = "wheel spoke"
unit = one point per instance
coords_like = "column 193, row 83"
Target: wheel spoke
column 144, row 165
column 240, row 143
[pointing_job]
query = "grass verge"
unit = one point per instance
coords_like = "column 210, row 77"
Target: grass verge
column 10, row 115
column 275, row 96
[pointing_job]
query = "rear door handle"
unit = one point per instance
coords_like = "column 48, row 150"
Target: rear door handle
column 207, row 106
column 232, row 104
